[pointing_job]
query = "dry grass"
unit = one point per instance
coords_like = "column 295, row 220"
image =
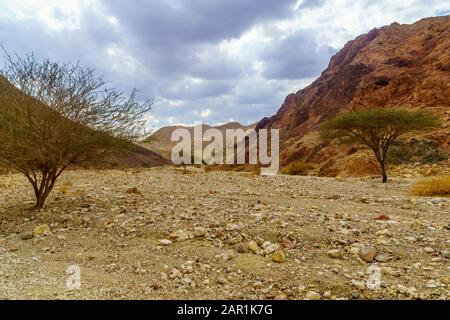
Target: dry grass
column 439, row 186
column 297, row 169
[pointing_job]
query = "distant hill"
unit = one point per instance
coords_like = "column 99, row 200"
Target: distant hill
column 398, row 66
column 160, row 142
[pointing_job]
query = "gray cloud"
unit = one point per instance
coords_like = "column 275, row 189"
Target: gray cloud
column 311, row 3
column 296, row 57
column 177, row 22
column 227, row 56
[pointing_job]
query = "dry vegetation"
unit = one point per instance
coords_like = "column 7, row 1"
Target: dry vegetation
column 297, row 168
column 436, row 187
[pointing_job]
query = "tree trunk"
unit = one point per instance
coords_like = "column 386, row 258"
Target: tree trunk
column 381, row 158
column 383, row 170
column 40, row 201
column 46, row 185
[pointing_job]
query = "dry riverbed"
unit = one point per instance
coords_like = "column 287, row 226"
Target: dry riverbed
column 162, row 234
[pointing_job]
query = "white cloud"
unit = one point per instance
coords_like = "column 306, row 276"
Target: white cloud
column 205, row 113
column 225, row 71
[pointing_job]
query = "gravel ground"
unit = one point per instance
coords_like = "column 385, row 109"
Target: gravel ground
column 161, row 234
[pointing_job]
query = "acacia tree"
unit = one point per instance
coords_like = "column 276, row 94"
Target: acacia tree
column 54, row 115
column 377, row 129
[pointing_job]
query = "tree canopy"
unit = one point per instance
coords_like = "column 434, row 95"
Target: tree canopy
column 54, row 115
column 377, row 129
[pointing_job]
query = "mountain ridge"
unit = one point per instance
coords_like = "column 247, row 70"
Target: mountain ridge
column 397, row 66
column 160, row 141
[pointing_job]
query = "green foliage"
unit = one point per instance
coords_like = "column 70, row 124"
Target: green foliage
column 375, row 124
column 297, row 168
column 377, row 129
column 416, row 151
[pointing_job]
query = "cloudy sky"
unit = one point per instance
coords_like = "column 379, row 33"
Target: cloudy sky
column 204, row 60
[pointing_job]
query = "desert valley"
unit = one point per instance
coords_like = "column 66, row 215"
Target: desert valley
column 136, row 226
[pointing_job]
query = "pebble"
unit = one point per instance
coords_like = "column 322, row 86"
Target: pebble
column 368, row 254
column 446, row 254
column 279, row 256
column 179, row 235
column 335, row 254
column 428, row 250
column 384, row 233
column 41, row 230
column 200, row 232
column 253, row 246
column 26, row 236
column 165, row 242
column 312, row 295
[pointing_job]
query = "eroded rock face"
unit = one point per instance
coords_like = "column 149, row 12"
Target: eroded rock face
column 398, row 66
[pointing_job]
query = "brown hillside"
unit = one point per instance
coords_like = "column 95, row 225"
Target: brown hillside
column 136, row 157
column 398, row 66
column 160, row 142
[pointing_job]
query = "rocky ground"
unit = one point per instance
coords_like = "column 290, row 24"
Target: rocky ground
column 161, row 234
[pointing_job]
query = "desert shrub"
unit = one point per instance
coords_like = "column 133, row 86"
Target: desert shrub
column 297, row 168
column 439, row 186
column 377, row 129
column 59, row 115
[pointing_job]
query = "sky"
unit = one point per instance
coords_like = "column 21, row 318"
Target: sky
column 213, row 61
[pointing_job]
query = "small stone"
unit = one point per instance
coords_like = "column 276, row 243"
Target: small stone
column 253, row 246
column 402, row 289
column 382, row 258
column 368, row 254
column 226, row 256
column 446, row 254
column 416, row 225
column 360, row 285
column 382, row 217
column 335, row 254
column 175, row 273
column 179, row 235
column 186, row 280
column 222, row 281
column 13, row 247
column 41, row 230
column 312, row 295
column 428, row 250
column 279, row 256
column 165, row 242
column 384, row 233
column 164, row 276
column 200, row 232
column 242, row 248
column 26, row 236
column 65, row 218
column 287, row 244
column 271, row 248
column 387, row 271
column 412, row 292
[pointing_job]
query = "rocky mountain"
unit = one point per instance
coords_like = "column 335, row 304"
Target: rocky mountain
column 160, row 142
column 397, row 66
